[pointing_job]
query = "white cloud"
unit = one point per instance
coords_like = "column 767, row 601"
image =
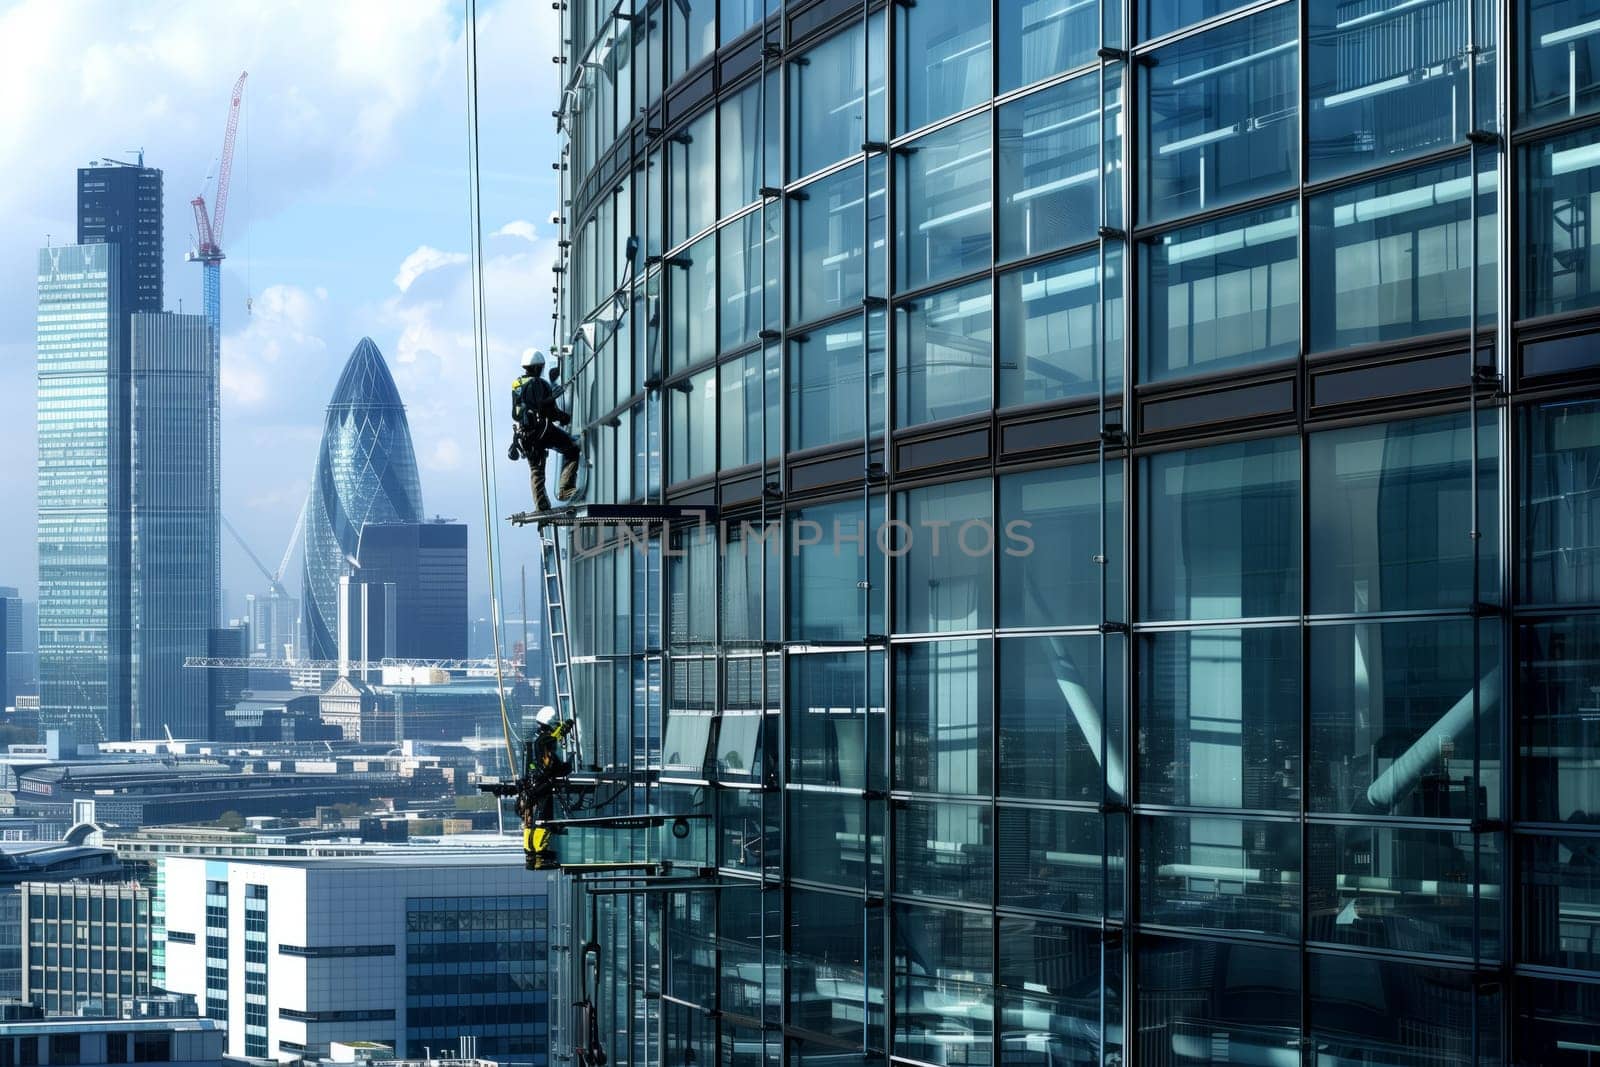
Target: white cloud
column 423, row 260
column 517, row 228
column 266, row 358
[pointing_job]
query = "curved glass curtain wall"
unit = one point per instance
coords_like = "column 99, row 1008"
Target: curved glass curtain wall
column 1224, row 765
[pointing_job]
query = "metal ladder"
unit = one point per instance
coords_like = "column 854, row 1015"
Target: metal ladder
column 555, row 623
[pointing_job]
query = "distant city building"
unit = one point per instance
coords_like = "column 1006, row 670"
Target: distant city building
column 413, row 951
column 274, row 625
column 366, row 472
column 427, row 562
column 405, row 704
column 19, row 646
column 152, row 1042
column 86, row 944
column 225, row 688
column 367, row 623
column 173, row 524
column 37, row 863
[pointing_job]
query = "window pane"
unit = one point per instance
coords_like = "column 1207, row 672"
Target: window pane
column 1392, row 259
column 828, row 261
column 740, row 15
column 825, row 969
column 1219, row 872
column 694, row 426
column 690, row 714
column 1220, row 1004
column 1220, row 535
column 1392, row 719
column 1039, row 38
column 946, row 351
column 1222, row 294
column 1157, row 17
column 830, row 695
column 1050, row 167
column 692, row 184
column 1560, row 514
column 1055, row 715
column 828, row 565
column 1399, row 1014
column 752, row 561
column 943, row 980
column 1048, row 320
column 1403, row 888
column 943, row 849
column 843, row 842
column 1560, row 197
column 1557, row 1023
column 743, row 256
column 943, row 719
column 1557, row 732
column 749, row 407
column 1560, row 899
column 1222, row 711
column 1052, row 988
column 942, row 217
column 1391, row 516
column 942, row 59
column 944, row 558
column 691, row 34
column 826, row 111
column 1560, row 59
column 743, row 137
column 1219, row 123
column 692, row 285
column 1389, row 80
column 744, row 750
column 826, row 399
column 1050, row 529
column 1055, row 861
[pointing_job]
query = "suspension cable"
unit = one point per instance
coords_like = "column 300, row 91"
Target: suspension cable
column 480, row 366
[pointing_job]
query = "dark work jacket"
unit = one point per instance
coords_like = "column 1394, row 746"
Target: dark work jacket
column 533, row 405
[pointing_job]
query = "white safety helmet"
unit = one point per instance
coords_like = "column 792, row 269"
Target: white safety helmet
column 533, row 360
column 546, row 716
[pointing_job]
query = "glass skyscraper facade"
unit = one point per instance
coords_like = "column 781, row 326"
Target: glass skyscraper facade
column 1153, row 612
column 366, row 472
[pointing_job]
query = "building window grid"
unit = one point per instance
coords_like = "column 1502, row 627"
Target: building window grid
column 1521, row 136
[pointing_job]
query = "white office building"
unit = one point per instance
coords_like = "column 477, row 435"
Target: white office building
column 414, row 949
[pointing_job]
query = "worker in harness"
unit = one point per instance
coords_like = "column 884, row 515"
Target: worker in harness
column 538, row 429
column 545, row 772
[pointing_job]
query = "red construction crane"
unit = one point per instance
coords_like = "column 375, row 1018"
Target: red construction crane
column 208, row 232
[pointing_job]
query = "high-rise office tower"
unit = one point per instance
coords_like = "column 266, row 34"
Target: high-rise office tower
column 19, row 640
column 427, row 563
column 274, row 625
column 1180, row 422
column 120, row 204
column 82, row 576
column 366, row 472
column 172, row 523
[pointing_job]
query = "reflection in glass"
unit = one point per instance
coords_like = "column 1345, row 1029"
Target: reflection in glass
column 749, row 403
column 1392, row 719
column 692, row 180
column 1219, row 117
column 826, row 110
column 1056, row 861
column 826, row 973
column 828, row 226
column 1040, row 38
column 1391, row 516
column 944, row 849
column 835, row 584
column 1051, row 990
column 944, row 564
column 691, row 34
column 942, row 208
column 746, row 255
column 1050, row 168
column 743, row 137
column 1379, row 1011
column 829, row 716
column 843, row 842
column 694, row 426
column 1393, row 258
column 1560, row 900
column 1220, row 872
column 943, row 980
column 744, row 751
column 1557, row 1023
column 826, row 399
column 1056, row 725
column 942, row 720
column 1048, row 538
column 1157, row 17
column 941, row 60
column 1558, row 720
column 1560, row 200
column 946, row 350
column 1223, row 294
column 692, row 287
column 1220, row 533
column 1560, row 513
column 1403, row 888
column 751, row 565
column 1388, row 80
column 1221, row 710
column 1560, row 58
column 1048, row 320
column 1215, row 1003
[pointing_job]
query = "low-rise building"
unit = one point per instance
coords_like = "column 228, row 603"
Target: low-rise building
column 92, row 1042
column 86, row 944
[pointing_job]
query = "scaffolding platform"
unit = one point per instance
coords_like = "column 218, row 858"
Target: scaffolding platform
column 617, row 515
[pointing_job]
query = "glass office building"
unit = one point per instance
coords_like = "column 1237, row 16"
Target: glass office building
column 1153, row 612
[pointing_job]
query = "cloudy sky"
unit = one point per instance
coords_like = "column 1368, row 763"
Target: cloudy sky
column 348, row 217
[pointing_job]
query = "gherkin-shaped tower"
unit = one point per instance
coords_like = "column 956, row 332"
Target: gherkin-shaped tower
column 366, row 472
